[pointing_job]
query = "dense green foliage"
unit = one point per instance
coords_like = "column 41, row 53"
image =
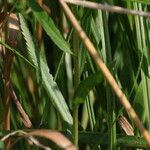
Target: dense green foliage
column 54, row 77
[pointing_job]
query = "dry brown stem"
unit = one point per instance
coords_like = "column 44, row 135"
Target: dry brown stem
column 26, row 121
column 106, row 7
column 51, row 135
column 13, row 29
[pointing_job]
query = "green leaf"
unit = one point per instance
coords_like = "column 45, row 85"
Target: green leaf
column 47, row 79
column 1, row 145
column 139, row 101
column 95, row 30
column 16, row 52
column 145, row 66
column 50, row 28
column 85, row 86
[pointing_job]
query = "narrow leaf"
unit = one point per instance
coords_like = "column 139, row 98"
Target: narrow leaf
column 47, row 79
column 139, row 101
column 16, row 52
column 48, row 25
column 85, row 86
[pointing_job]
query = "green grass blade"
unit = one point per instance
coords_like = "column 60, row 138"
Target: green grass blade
column 141, row 37
column 50, row 28
column 138, row 102
column 107, row 55
column 85, row 86
column 16, row 53
column 47, row 79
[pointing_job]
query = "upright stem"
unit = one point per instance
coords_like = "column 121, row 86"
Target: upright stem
column 7, row 104
column 6, row 74
column 109, row 94
column 11, row 39
column 76, row 82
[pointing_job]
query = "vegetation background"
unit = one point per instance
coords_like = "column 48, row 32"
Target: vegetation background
column 49, row 80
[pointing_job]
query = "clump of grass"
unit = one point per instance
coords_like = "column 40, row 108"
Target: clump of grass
column 67, row 70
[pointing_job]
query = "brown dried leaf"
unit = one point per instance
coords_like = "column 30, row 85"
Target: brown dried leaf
column 125, row 125
column 56, row 137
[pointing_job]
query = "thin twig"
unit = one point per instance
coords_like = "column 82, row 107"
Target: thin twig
column 110, row 79
column 24, row 134
column 106, row 7
column 38, row 144
column 23, row 114
column 54, row 136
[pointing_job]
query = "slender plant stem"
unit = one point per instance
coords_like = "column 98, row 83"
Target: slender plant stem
column 109, row 8
column 123, row 141
column 76, row 83
column 23, row 114
column 11, row 37
column 75, row 125
column 7, row 66
column 109, row 94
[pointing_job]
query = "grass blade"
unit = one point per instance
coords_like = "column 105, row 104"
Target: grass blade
column 50, row 28
column 47, row 79
column 85, row 86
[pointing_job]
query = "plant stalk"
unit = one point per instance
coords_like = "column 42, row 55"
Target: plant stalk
column 76, row 83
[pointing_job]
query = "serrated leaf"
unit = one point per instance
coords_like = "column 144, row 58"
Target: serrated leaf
column 85, row 86
column 16, row 52
column 50, row 28
column 47, row 79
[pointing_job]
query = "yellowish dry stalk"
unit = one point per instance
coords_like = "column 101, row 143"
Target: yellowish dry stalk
column 54, row 136
column 23, row 134
column 110, row 79
column 106, row 7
